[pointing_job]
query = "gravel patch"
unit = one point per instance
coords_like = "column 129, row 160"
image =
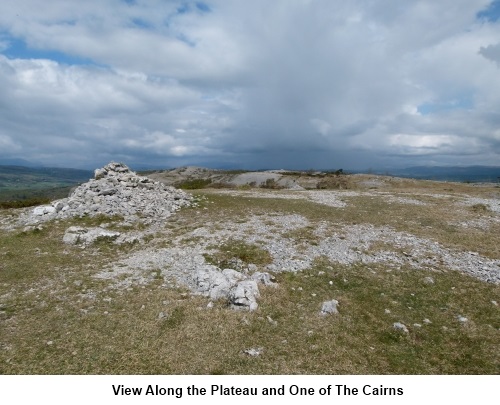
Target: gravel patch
column 342, row 244
column 492, row 204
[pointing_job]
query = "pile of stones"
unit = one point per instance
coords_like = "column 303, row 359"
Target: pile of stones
column 116, row 190
column 240, row 290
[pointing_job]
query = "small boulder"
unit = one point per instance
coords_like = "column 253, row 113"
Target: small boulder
column 329, row 307
column 264, row 278
column 58, row 205
column 213, row 283
column 44, row 210
column 108, row 191
column 244, row 295
column 428, row 280
column 400, row 327
column 233, row 276
column 76, row 235
column 254, row 351
column 100, row 173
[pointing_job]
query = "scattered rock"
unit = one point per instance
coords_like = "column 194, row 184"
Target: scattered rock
column 264, row 278
column 329, row 307
column 44, row 210
column 244, row 295
column 272, row 321
column 400, row 327
column 254, row 352
column 229, row 284
column 428, row 280
column 76, row 235
column 214, row 283
column 252, row 268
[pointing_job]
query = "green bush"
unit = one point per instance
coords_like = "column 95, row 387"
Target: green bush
column 271, row 184
column 194, row 184
column 31, row 202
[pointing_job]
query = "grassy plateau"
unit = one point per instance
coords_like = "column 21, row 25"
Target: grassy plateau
column 57, row 317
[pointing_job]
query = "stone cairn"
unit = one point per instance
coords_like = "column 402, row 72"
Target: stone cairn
column 116, row 190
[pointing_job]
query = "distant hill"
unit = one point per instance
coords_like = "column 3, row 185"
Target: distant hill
column 490, row 174
column 19, row 162
column 20, row 182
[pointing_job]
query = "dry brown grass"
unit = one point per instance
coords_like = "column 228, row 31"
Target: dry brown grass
column 57, row 318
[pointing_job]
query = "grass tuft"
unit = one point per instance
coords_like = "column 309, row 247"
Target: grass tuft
column 229, row 253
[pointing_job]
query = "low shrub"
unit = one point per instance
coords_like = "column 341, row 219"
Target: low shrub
column 31, row 202
column 335, row 182
column 195, row 184
column 271, row 184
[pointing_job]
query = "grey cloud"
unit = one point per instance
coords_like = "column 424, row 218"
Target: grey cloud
column 491, row 52
column 311, row 83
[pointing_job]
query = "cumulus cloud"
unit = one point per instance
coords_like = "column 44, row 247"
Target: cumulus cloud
column 255, row 84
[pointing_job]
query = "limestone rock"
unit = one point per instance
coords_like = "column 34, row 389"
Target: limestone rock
column 264, row 278
column 329, row 307
column 254, row 351
column 229, row 284
column 100, row 173
column 44, row 210
column 76, row 235
column 400, row 327
column 428, row 280
column 244, row 295
column 214, row 283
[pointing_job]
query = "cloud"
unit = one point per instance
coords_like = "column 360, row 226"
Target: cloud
column 256, row 84
column 491, row 52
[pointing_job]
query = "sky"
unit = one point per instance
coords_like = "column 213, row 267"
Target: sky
column 294, row 84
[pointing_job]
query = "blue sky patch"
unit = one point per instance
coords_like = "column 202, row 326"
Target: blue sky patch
column 462, row 103
column 18, row 49
column 183, row 9
column 186, row 40
column 140, row 23
column 198, row 6
column 204, row 8
column 491, row 13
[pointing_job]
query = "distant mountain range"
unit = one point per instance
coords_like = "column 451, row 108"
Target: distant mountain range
column 13, row 175
column 23, row 178
column 490, row 174
column 19, row 162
